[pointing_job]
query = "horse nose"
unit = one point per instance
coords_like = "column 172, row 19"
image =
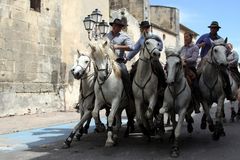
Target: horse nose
column 223, row 65
column 156, row 53
column 170, row 82
column 72, row 70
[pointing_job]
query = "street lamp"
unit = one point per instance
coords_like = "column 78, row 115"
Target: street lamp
column 95, row 26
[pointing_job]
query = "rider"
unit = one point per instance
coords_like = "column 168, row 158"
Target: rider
column 189, row 54
column 121, row 42
column 145, row 31
column 232, row 58
column 204, row 42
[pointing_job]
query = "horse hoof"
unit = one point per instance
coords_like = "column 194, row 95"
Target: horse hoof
column 203, row 125
column 237, row 117
column 224, row 120
column 109, row 144
column 149, row 113
column 100, row 129
column 223, row 134
column 211, row 127
column 175, row 152
column 78, row 137
column 215, row 136
column 85, row 130
column 66, row 145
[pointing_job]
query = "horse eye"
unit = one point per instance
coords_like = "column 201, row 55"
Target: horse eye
column 147, row 43
column 86, row 62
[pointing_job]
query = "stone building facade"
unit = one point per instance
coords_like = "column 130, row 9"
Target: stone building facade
column 38, row 41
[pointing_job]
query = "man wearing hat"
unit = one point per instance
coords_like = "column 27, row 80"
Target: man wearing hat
column 204, row 42
column 121, row 42
column 145, row 31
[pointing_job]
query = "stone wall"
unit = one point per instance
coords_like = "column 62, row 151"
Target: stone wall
column 140, row 9
column 37, row 50
column 74, row 36
column 30, row 57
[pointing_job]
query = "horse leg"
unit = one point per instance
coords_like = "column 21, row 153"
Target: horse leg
column 223, row 115
column 177, row 131
column 189, row 121
column 115, row 105
column 68, row 141
column 174, row 124
column 219, row 130
column 159, row 119
column 131, row 112
column 149, row 112
column 83, row 129
column 238, row 113
column 233, row 112
column 95, row 114
column 205, row 115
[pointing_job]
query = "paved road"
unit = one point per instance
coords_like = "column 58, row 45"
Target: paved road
column 46, row 143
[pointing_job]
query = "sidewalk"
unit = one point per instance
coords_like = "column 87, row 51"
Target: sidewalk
column 14, row 124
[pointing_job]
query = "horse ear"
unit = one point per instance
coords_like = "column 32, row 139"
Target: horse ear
column 105, row 43
column 169, row 51
column 79, row 54
column 226, row 39
column 92, row 46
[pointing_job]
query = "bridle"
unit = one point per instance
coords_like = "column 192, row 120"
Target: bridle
column 146, row 60
column 179, row 69
column 215, row 64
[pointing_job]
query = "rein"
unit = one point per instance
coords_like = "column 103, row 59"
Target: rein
column 173, row 93
column 214, row 63
column 108, row 73
column 146, row 60
column 84, row 97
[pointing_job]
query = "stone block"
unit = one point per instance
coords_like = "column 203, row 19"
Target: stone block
column 19, row 15
column 6, row 76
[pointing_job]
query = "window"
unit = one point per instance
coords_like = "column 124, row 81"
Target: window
column 35, row 5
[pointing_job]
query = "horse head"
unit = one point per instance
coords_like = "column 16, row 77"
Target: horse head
column 102, row 55
column 80, row 68
column 153, row 45
column 217, row 53
column 173, row 65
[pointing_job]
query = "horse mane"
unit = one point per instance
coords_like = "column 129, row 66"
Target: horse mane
column 101, row 49
column 171, row 51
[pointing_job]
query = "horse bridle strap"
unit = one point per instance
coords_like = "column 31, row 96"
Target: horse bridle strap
column 174, row 94
column 143, row 87
column 108, row 72
column 211, row 53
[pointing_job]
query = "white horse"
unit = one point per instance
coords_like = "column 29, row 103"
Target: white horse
column 109, row 89
column 145, row 84
column 235, row 93
column 84, row 71
column 177, row 96
column 212, row 86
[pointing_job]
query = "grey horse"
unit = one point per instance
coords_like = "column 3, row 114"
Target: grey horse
column 177, row 96
column 211, row 86
column 84, row 71
column 109, row 89
column 145, row 92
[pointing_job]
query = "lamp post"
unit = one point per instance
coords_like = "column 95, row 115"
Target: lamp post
column 95, row 26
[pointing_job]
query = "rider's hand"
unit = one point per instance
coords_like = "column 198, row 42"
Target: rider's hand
column 125, row 60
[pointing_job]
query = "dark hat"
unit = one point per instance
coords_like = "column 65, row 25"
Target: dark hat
column 144, row 24
column 214, row 24
column 117, row 22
